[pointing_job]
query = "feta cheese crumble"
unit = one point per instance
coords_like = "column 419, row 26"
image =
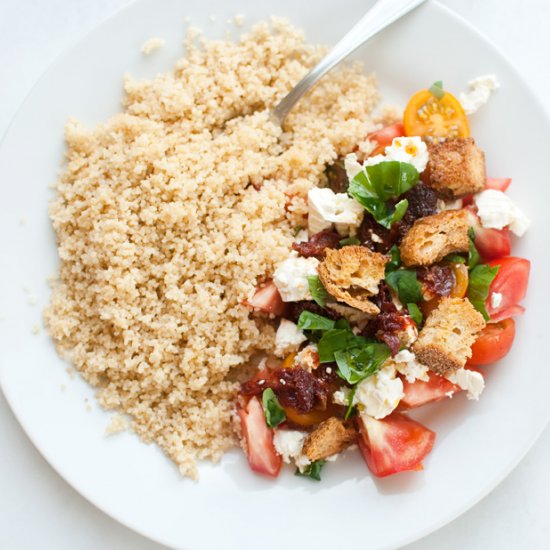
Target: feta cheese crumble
column 480, row 91
column 327, row 208
column 403, row 149
column 496, row 210
column 406, row 364
column 289, row 443
column 288, row 338
column 409, row 149
column 468, row 380
column 291, row 275
column 341, row 396
column 379, row 394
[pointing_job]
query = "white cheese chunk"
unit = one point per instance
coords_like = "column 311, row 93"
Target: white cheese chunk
column 327, row 208
column 288, row 338
column 352, row 165
column 291, row 275
column 409, row 149
column 379, row 395
column 496, row 210
column 406, row 364
column 341, row 396
column 468, row 380
column 480, row 92
column 289, row 443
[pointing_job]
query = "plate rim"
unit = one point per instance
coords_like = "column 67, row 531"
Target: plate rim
column 50, row 459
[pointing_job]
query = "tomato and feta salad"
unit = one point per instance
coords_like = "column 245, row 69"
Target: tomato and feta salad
column 402, row 286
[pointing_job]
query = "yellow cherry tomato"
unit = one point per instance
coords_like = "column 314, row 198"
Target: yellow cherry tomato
column 433, row 118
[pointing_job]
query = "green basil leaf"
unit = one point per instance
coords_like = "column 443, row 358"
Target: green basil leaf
column 351, row 406
column 375, row 185
column 395, row 260
column 455, row 259
column 415, row 313
column 317, row 290
column 436, row 89
column 312, row 321
column 274, row 413
column 406, row 285
column 336, row 340
column 313, row 471
column 350, row 241
column 342, row 323
column 479, row 282
column 394, row 215
column 354, row 365
column 473, row 254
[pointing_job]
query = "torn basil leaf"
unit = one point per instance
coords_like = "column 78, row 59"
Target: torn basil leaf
column 350, row 241
column 473, row 254
column 375, row 185
column 356, row 364
column 313, row 321
column 317, row 290
column 313, row 471
column 406, row 285
column 274, row 413
column 351, row 407
column 415, row 313
column 395, row 260
column 481, row 277
column 455, row 259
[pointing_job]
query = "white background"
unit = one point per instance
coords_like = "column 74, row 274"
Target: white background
column 38, row 510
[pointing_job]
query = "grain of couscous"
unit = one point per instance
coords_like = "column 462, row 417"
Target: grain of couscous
column 167, row 218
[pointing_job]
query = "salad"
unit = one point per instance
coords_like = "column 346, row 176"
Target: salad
column 399, row 291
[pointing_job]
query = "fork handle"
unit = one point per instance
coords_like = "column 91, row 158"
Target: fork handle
column 382, row 14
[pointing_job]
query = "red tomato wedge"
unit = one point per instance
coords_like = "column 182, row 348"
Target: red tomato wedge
column 492, row 243
column 493, row 343
column 394, row 444
column 500, row 184
column 512, row 311
column 262, row 456
column 384, row 137
column 420, row 393
column 511, row 281
column 267, row 299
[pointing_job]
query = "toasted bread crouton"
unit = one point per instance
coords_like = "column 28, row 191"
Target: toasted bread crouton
column 329, row 438
column 456, row 167
column 352, row 274
column 430, row 239
column 444, row 344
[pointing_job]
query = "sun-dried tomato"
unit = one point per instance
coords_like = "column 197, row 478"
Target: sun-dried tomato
column 296, row 387
column 437, row 280
column 317, row 244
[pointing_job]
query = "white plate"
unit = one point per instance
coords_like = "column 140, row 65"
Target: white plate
column 477, row 443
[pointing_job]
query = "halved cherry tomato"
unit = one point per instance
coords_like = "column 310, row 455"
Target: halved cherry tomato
column 394, row 444
column 420, row 393
column 267, row 299
column 384, row 137
column 493, row 343
column 511, row 282
column 461, row 280
column 428, row 116
column 512, row 311
column 288, row 363
column 261, row 453
column 500, row 184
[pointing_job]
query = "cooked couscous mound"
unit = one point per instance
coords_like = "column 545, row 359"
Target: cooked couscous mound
column 167, row 217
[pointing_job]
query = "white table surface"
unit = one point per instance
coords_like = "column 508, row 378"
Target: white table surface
column 38, row 510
